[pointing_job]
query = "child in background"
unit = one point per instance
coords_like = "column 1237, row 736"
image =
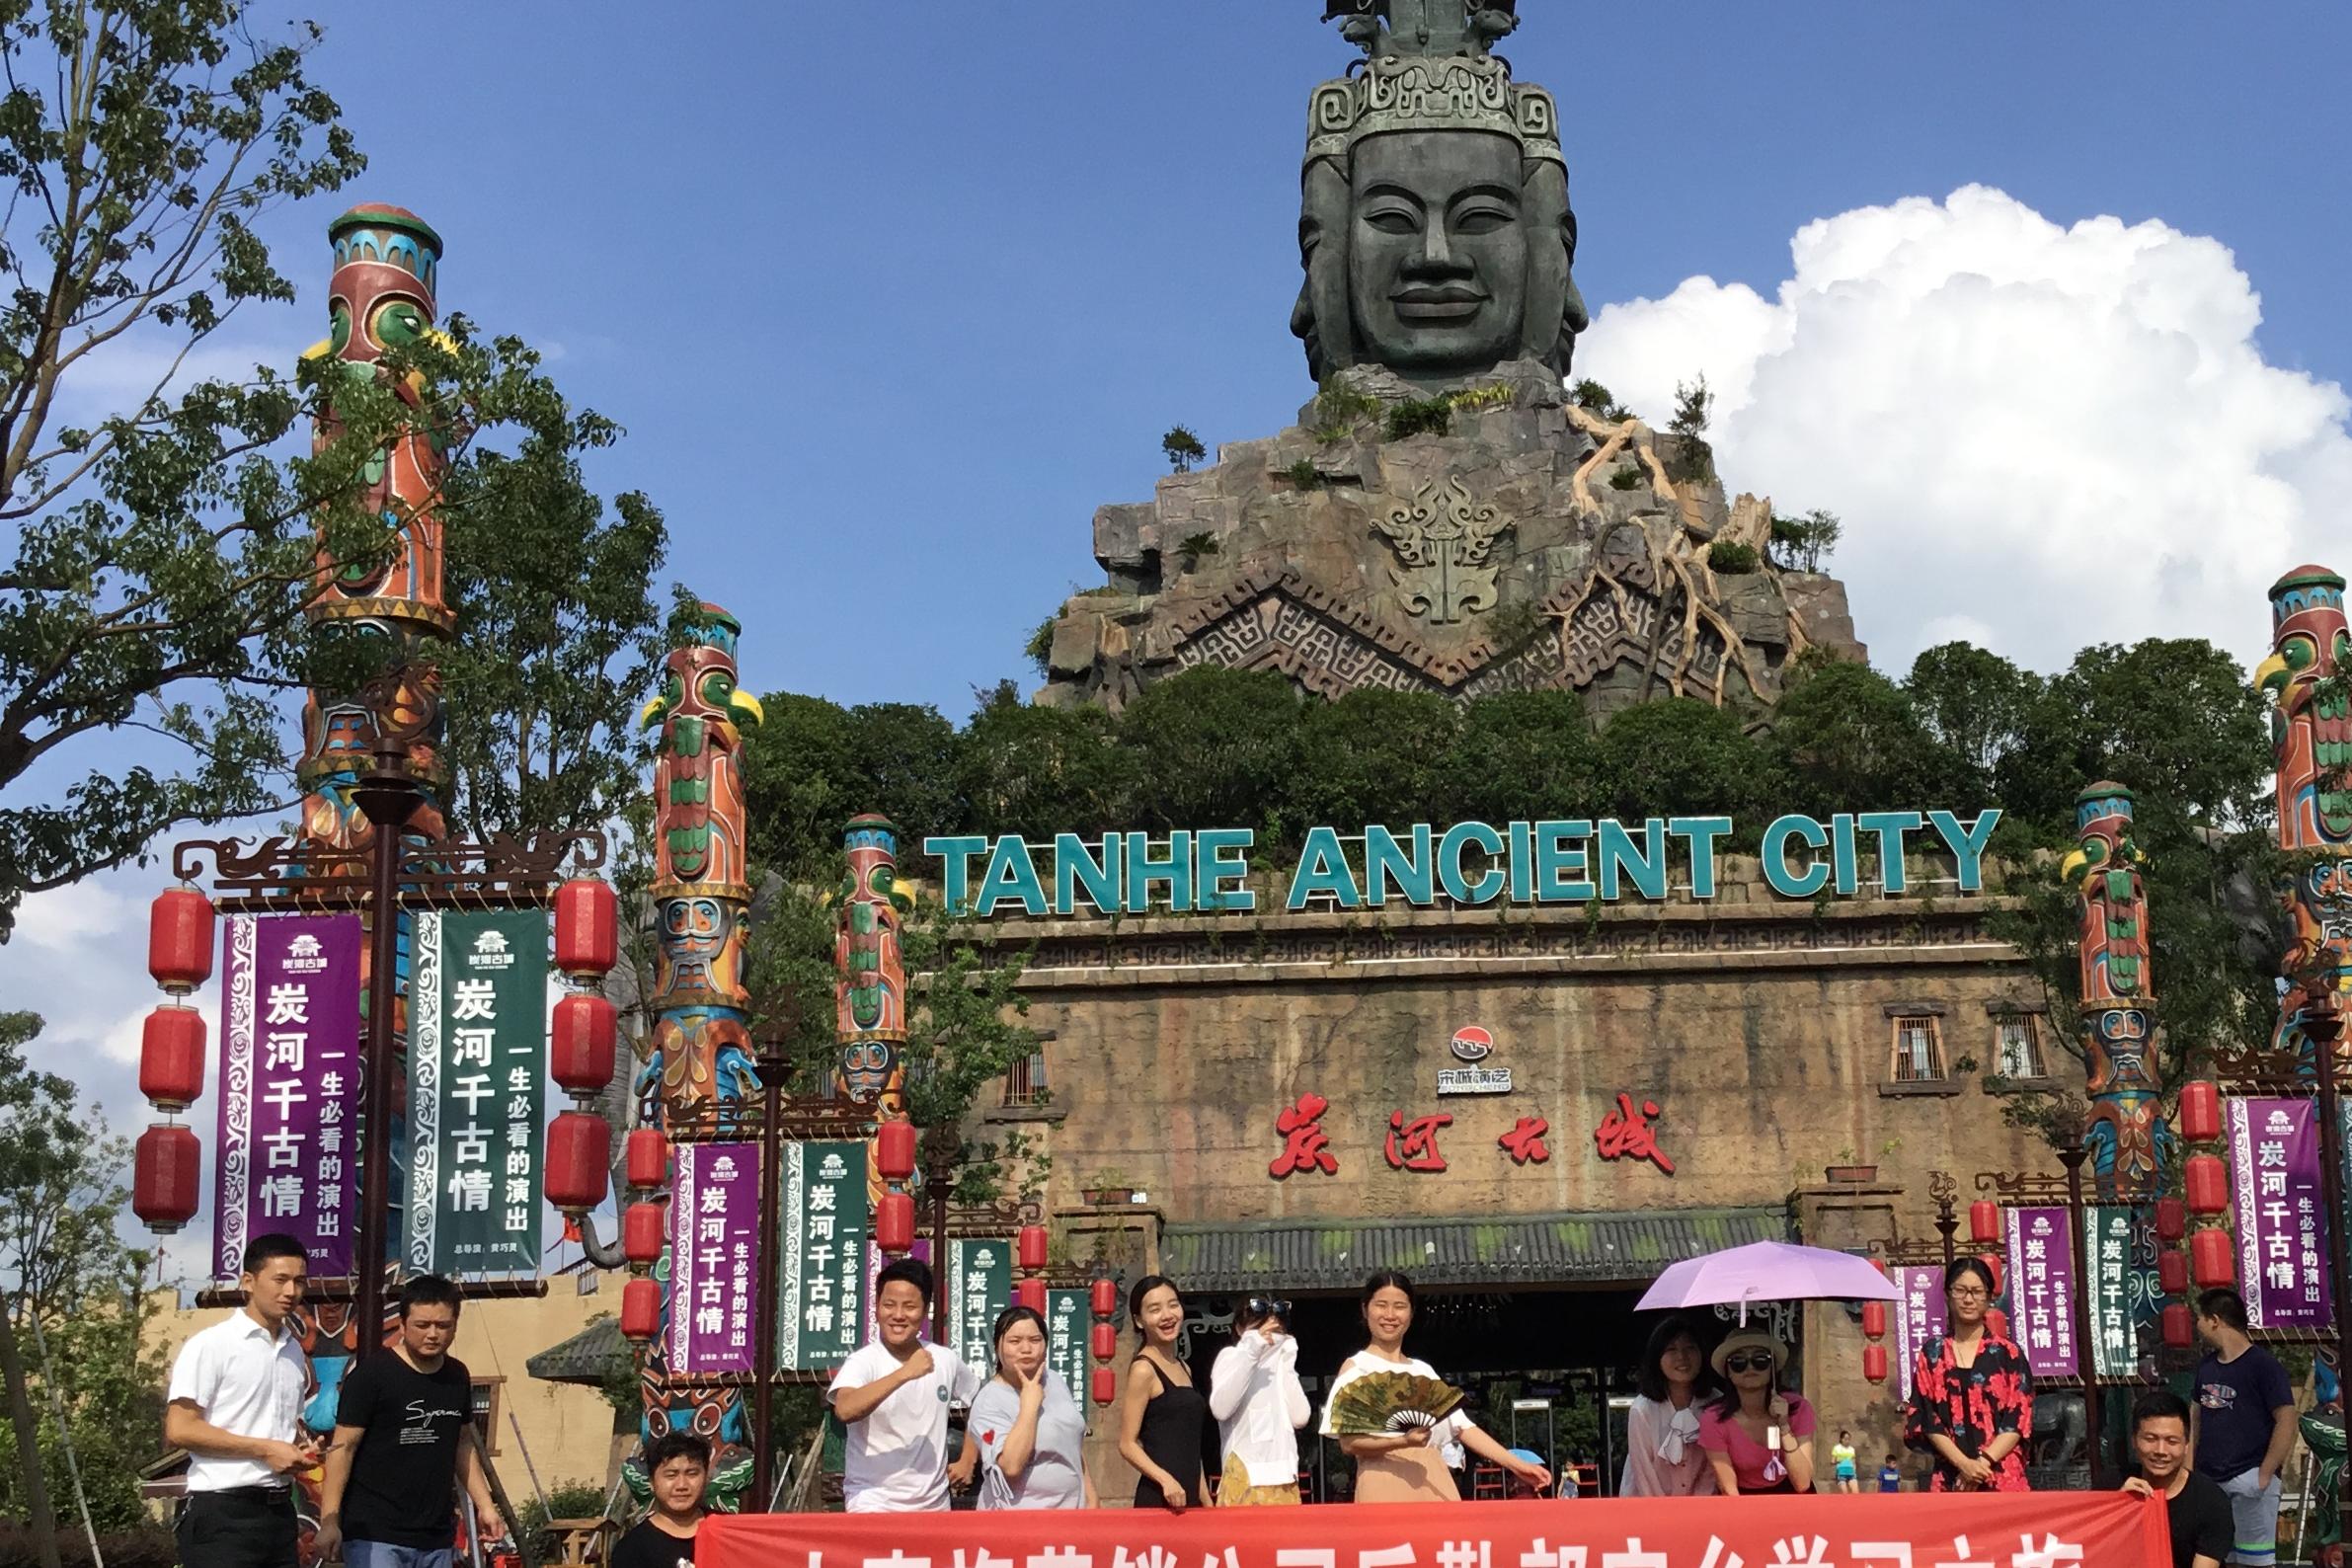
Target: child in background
column 1890, row 1477
column 679, row 1465
column 1842, row 1462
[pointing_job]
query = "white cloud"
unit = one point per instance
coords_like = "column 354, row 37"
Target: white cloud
column 2039, row 437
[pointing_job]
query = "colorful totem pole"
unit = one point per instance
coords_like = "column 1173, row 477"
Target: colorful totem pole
column 699, row 1069
column 870, row 981
column 2130, row 1144
column 702, row 1063
column 382, row 297
column 2311, row 736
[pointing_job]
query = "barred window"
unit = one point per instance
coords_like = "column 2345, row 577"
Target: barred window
column 1025, row 1085
column 2018, row 1046
column 1919, row 1055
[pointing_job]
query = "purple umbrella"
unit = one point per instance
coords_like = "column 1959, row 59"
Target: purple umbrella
column 1769, row 1271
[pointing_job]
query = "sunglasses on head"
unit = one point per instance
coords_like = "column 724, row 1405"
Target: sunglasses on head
column 1260, row 1307
column 1746, row 1361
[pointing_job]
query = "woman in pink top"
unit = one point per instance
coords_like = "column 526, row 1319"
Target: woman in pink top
column 1663, row 1457
column 1756, row 1439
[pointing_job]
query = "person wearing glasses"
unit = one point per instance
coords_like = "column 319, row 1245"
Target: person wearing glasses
column 1259, row 1405
column 1756, row 1437
column 1972, row 1394
column 1663, row 1457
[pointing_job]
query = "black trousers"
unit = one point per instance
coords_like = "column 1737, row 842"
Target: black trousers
column 249, row 1527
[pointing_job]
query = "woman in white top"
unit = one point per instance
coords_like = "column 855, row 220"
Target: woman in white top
column 1254, row 1393
column 1405, row 1467
column 1663, row 1457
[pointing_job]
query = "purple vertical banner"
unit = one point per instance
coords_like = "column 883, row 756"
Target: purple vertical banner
column 289, row 1083
column 2273, row 1177
column 874, row 1262
column 1919, row 1318
column 714, row 1248
column 2041, row 1284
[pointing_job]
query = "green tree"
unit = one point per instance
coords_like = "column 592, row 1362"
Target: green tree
column 1847, row 739
column 1182, row 448
column 1374, row 756
column 63, row 1267
column 1038, row 771
column 1804, row 543
column 1212, row 749
column 161, row 555
column 1525, row 754
column 800, row 776
column 1695, row 407
column 903, row 753
column 1975, row 703
column 1684, row 756
column 561, row 639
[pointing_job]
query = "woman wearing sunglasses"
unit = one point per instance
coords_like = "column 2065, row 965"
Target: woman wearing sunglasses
column 1756, row 1439
column 1972, row 1393
column 1663, row 1457
column 1406, row 1466
column 1254, row 1393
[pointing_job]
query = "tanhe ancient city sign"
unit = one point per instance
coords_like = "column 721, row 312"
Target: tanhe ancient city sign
column 1470, row 863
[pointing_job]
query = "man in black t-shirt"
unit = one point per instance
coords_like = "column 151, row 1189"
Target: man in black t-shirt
column 402, row 1440
column 678, row 1466
column 2197, row 1508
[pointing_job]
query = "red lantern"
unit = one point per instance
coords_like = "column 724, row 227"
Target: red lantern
column 579, row 1147
column 1996, row 1322
column 1032, row 1243
column 642, row 1233
column 2180, row 1327
column 2208, row 1182
column 1103, row 1342
column 1992, row 1263
column 2200, row 1112
column 1984, row 1222
column 641, row 1309
column 893, row 1150
column 2172, row 1272
column 1103, row 1297
column 172, row 1058
column 586, row 928
column 164, row 1169
column 2172, row 1219
column 1106, row 1385
column 1874, row 1362
column 1874, row 1319
column 583, row 1040
column 179, row 940
column 1031, row 1293
column 2213, row 1259
column 648, row 1157
column 894, row 1225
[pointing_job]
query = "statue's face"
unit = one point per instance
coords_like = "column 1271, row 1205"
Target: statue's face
column 1436, row 251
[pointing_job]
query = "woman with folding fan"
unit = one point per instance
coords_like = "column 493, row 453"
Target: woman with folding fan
column 1392, row 1415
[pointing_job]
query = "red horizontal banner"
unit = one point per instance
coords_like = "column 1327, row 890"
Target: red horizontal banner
column 2026, row 1530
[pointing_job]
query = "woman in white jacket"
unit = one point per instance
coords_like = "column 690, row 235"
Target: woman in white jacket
column 1254, row 1393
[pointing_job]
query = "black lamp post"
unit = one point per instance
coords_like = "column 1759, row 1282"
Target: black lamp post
column 388, row 798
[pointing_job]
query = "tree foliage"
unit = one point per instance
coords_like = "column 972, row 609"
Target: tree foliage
column 1182, row 448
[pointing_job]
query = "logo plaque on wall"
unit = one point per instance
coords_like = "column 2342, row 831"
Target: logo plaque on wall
column 1474, row 1044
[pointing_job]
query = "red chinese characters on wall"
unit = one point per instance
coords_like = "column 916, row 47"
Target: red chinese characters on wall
column 1525, row 1142
column 1305, row 1146
column 1413, row 1145
column 1626, row 1133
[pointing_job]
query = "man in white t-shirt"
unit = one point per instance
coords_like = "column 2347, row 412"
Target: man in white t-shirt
column 893, row 1399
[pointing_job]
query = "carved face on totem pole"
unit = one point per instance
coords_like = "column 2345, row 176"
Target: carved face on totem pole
column 698, row 790
column 869, row 986
column 2116, row 982
column 1434, row 229
column 2311, row 650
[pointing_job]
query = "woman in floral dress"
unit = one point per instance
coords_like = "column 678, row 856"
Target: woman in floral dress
column 1972, row 1394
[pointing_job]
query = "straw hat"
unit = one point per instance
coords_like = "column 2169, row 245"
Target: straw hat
column 1747, row 1338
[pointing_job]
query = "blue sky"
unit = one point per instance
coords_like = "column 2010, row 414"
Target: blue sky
column 891, row 298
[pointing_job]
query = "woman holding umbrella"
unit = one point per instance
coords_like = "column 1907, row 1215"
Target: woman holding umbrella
column 1756, row 1439
column 1972, row 1394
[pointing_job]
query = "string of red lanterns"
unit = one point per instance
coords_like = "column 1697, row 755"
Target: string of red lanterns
column 167, row 1162
column 2203, row 1220
column 583, row 1042
column 1874, row 1330
column 893, row 1157
column 1102, row 1300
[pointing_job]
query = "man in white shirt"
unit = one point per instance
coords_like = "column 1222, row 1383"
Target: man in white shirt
column 235, row 1404
column 893, row 1399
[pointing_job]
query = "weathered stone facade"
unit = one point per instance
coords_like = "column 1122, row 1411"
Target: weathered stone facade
column 1530, row 545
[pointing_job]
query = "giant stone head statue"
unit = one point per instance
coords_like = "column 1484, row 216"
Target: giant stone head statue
column 1434, row 223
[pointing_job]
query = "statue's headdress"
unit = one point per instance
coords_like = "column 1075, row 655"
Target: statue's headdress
column 1428, row 67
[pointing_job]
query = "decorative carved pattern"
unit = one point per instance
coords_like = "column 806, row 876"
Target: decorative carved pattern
column 1445, row 541
column 283, row 875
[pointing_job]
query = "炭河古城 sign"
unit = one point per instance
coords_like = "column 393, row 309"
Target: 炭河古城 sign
column 1568, row 861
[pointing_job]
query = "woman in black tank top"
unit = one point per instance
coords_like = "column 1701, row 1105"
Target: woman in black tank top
column 1161, row 1415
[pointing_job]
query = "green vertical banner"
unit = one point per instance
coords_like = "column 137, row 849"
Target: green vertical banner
column 2107, row 1277
column 477, row 1104
column 826, row 1224
column 979, row 1285
column 1067, row 1323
